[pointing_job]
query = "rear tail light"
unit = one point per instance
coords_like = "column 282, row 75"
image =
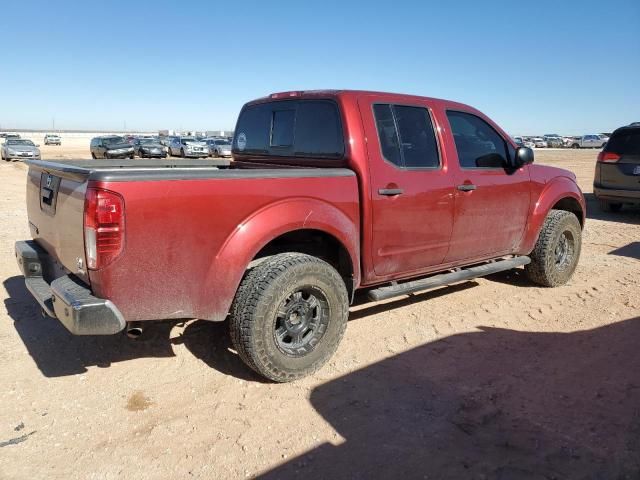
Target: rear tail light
column 103, row 227
column 608, row 157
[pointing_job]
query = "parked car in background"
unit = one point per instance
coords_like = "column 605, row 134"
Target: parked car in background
column 617, row 175
column 166, row 140
column 111, row 146
column 218, row 147
column 588, row 141
column 188, row 147
column 329, row 196
column 539, row 142
column 19, row 149
column 553, row 141
column 52, row 139
column 149, row 148
column 518, row 141
column 12, row 136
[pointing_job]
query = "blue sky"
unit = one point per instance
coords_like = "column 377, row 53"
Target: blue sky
column 534, row 67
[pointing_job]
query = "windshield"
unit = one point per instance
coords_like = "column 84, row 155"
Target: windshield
column 147, row 141
column 113, row 140
column 222, row 142
column 15, row 141
column 185, row 140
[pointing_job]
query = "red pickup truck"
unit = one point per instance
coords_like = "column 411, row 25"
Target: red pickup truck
column 329, row 192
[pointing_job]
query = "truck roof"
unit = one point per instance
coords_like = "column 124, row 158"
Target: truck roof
column 390, row 96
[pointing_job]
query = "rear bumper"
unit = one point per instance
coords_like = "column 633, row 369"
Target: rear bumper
column 66, row 298
column 632, row 196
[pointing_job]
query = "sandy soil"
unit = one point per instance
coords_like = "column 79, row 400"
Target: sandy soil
column 490, row 379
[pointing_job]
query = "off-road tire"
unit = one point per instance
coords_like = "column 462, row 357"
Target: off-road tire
column 254, row 316
column 607, row 206
column 544, row 269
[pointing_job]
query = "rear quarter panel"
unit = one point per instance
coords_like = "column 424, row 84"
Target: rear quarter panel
column 188, row 242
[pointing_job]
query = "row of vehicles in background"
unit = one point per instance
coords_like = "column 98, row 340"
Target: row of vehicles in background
column 557, row 141
column 114, row 146
column 16, row 148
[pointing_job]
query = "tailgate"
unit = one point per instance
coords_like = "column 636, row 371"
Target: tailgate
column 55, row 206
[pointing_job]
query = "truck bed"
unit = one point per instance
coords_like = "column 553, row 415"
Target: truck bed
column 189, row 224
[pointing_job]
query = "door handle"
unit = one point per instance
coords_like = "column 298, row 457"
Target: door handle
column 389, row 192
column 466, row 187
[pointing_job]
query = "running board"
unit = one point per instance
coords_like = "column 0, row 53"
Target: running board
column 443, row 279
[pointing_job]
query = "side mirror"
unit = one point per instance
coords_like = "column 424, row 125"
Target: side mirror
column 523, row 156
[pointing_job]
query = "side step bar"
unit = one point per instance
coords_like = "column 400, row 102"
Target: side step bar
column 444, row 279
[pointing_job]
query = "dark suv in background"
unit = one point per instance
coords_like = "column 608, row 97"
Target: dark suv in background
column 111, row 147
column 617, row 177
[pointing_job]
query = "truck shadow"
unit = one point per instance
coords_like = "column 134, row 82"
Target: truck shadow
column 492, row 404
column 58, row 353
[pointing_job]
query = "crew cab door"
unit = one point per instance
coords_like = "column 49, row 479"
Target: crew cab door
column 491, row 200
column 411, row 191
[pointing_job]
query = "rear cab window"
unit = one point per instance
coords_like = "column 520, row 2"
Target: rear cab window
column 290, row 128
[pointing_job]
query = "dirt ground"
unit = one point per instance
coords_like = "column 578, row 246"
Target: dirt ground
column 490, row 379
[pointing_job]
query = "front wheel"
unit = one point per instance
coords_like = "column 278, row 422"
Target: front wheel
column 555, row 256
column 93, row 155
column 288, row 316
column 182, row 153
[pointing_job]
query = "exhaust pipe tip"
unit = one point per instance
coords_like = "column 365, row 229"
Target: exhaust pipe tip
column 134, row 330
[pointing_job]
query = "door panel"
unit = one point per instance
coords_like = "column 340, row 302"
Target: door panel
column 491, row 203
column 412, row 208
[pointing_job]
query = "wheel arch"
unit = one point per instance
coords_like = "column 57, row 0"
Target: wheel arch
column 562, row 193
column 303, row 225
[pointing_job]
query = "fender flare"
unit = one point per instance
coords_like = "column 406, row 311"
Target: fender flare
column 260, row 228
column 558, row 189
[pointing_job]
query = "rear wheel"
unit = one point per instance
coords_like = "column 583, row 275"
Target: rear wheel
column 606, row 206
column 575, row 145
column 555, row 256
column 182, row 153
column 93, row 155
column 288, row 316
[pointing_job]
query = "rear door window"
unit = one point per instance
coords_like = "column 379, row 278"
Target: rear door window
column 406, row 135
column 301, row 128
